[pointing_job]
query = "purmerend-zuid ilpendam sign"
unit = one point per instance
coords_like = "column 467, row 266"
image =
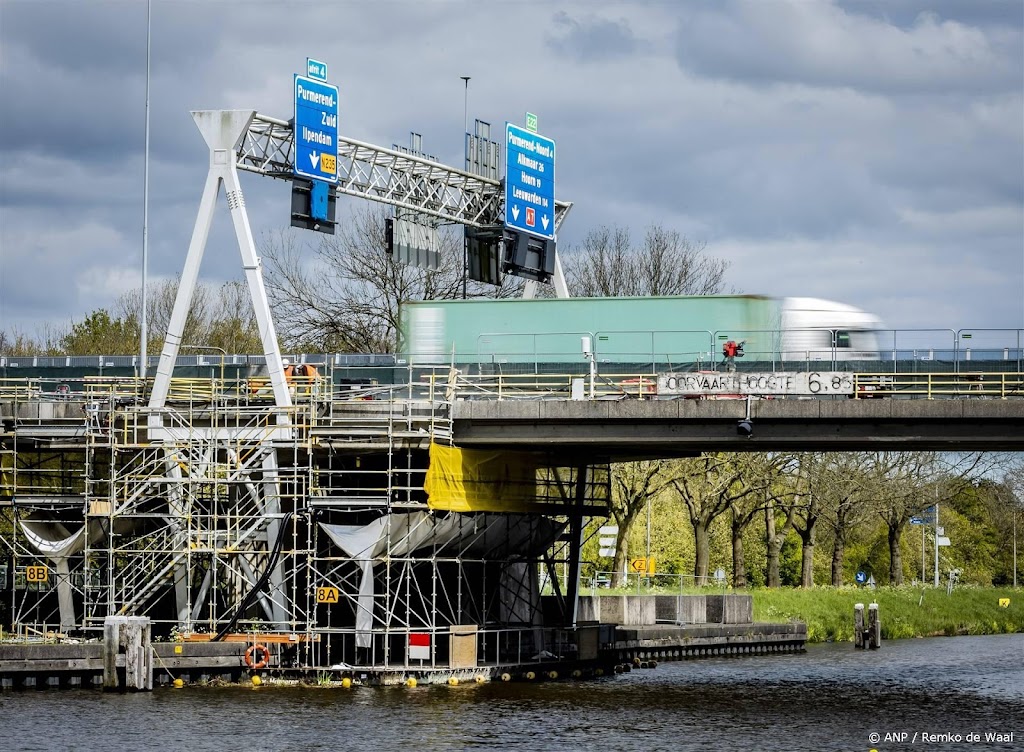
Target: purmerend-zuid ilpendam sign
column 316, row 129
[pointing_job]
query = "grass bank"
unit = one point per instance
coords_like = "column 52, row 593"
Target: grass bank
column 905, row 611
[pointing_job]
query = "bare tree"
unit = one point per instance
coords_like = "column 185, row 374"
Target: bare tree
column 607, row 264
column 160, row 306
column 345, row 294
column 47, row 341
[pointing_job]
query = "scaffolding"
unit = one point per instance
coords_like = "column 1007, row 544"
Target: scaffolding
column 320, row 533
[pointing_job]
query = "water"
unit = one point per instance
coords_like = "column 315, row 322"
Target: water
column 830, row 698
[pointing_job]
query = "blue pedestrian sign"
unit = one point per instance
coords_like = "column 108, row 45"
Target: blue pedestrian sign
column 861, row 578
column 529, row 182
column 316, row 129
column 916, row 521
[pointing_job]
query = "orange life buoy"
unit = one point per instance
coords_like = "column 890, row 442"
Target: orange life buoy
column 257, row 656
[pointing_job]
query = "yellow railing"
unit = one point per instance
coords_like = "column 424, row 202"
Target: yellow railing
column 939, row 385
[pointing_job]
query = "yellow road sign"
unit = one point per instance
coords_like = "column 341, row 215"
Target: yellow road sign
column 642, row 566
column 37, row 574
column 1004, row 603
column 327, row 595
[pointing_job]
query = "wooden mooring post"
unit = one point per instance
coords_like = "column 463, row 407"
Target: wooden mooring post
column 867, row 635
column 130, row 635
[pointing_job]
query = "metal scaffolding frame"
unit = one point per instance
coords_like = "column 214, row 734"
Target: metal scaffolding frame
column 213, row 509
column 221, row 530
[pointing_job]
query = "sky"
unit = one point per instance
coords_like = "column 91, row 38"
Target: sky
column 869, row 151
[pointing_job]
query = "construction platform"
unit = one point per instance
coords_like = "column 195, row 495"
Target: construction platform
column 70, row 665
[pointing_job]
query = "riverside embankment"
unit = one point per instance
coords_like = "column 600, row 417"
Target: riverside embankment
column 906, row 611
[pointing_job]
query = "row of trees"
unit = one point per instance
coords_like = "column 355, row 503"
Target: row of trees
column 218, row 317
column 827, row 515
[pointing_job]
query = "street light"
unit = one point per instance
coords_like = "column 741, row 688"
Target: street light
column 143, row 324
column 465, row 138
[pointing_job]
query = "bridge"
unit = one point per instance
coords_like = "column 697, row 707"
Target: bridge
column 248, row 503
column 635, row 429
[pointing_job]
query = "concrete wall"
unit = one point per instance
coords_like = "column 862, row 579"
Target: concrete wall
column 623, row 610
column 730, row 609
column 644, row 610
column 681, row 609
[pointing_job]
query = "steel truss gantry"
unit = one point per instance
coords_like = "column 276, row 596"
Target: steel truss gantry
column 380, row 174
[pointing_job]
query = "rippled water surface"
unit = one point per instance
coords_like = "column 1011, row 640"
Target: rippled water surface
column 831, row 698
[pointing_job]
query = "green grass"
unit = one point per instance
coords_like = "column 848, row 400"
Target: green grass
column 904, row 611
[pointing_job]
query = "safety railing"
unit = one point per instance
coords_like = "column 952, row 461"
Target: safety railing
column 962, row 385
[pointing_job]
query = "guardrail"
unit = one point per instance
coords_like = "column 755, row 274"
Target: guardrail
column 509, row 386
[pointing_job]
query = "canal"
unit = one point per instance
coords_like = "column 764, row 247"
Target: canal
column 944, row 690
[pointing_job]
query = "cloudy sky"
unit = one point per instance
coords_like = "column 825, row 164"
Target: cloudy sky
column 870, row 152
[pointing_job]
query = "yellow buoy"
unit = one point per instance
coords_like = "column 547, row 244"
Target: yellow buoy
column 552, row 674
column 256, row 680
column 480, row 680
column 178, row 684
column 411, row 681
column 453, row 682
column 346, row 682
column 529, row 676
column 506, row 677
column 576, row 674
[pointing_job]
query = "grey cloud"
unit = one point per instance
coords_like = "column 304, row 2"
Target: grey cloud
column 590, row 38
column 819, row 43
column 812, row 177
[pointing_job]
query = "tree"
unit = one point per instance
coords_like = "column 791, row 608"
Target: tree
column 634, row 484
column 708, row 486
column 160, row 299
column 607, row 264
column 232, row 325
column 347, row 297
column 808, row 515
column 760, row 473
column 905, row 483
column 780, row 518
column 840, row 485
column 48, row 341
column 100, row 333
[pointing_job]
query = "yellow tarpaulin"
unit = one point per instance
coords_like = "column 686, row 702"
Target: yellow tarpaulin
column 476, row 480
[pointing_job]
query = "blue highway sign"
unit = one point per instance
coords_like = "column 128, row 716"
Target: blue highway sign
column 861, row 577
column 916, row 521
column 316, row 69
column 316, row 129
column 529, row 182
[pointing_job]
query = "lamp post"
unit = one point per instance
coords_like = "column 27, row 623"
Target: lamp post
column 466, row 140
column 143, row 324
column 465, row 104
